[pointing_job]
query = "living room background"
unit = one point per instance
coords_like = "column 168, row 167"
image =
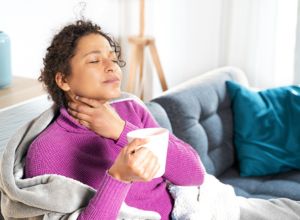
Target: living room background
column 192, row 36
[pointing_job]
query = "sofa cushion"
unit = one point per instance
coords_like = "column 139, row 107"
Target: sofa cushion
column 266, row 129
column 200, row 113
column 285, row 185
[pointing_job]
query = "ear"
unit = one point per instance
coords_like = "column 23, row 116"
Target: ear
column 61, row 81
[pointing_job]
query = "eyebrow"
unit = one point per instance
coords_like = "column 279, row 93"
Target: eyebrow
column 97, row 52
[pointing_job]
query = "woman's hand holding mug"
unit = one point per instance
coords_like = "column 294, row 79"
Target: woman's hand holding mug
column 135, row 163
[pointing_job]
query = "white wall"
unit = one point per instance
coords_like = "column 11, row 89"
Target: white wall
column 188, row 36
column 31, row 25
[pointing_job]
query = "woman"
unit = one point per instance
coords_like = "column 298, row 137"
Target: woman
column 87, row 141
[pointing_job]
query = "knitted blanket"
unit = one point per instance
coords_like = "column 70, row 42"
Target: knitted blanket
column 212, row 200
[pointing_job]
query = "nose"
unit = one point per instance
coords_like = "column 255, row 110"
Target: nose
column 109, row 65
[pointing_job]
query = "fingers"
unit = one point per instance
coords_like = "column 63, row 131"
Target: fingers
column 143, row 163
column 134, row 145
column 78, row 115
column 135, row 163
column 80, row 108
column 84, row 109
column 84, row 105
column 139, row 156
column 155, row 169
column 82, row 113
column 150, row 167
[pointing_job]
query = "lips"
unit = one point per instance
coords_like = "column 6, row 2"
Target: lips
column 112, row 80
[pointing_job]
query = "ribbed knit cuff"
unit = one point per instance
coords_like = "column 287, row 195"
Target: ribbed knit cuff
column 122, row 141
column 109, row 198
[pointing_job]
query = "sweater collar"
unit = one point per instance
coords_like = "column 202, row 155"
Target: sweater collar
column 66, row 121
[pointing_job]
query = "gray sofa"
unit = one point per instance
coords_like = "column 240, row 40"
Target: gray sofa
column 199, row 112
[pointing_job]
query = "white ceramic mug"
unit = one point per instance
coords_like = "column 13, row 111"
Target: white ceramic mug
column 158, row 141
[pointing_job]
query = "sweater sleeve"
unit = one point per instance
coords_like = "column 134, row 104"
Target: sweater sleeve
column 191, row 170
column 107, row 201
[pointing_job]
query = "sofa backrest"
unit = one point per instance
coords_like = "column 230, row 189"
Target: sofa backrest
column 159, row 114
column 200, row 114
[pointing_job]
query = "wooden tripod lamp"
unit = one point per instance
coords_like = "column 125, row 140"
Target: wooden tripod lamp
column 139, row 43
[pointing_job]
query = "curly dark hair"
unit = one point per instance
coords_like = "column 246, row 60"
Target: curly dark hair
column 62, row 49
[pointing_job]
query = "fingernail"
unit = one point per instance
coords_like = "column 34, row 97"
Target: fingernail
column 76, row 97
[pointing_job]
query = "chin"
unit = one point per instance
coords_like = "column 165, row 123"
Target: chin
column 114, row 94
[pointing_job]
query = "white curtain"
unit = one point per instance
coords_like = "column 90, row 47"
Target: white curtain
column 259, row 36
column 297, row 50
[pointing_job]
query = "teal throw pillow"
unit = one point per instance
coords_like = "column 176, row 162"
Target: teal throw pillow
column 266, row 129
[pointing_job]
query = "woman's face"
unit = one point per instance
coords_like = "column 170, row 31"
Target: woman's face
column 95, row 72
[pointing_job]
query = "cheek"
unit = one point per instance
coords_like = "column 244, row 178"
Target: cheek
column 119, row 72
column 82, row 83
column 82, row 78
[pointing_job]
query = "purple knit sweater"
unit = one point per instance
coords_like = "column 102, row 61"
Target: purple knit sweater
column 70, row 149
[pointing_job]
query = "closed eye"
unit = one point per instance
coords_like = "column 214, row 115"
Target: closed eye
column 94, row 61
